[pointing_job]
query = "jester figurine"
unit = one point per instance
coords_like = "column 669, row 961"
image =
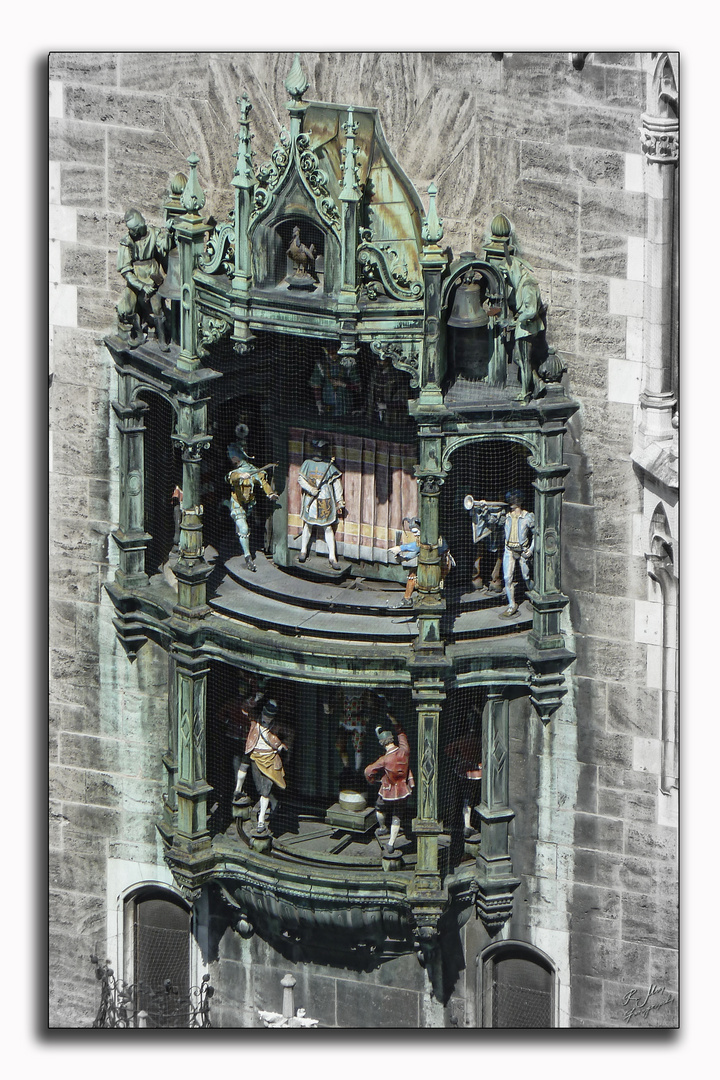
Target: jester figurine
column 243, row 478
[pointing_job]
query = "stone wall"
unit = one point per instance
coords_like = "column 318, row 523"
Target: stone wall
column 557, row 150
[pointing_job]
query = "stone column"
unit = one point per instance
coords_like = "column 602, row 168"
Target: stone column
column 131, row 537
column 429, row 695
column 191, row 786
column 659, row 143
column 433, row 262
column 495, row 877
column 190, row 232
column 168, row 824
column 546, row 596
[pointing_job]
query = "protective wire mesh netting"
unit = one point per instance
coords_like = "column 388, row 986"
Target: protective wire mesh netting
column 266, row 416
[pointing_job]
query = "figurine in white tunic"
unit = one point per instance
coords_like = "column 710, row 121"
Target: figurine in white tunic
column 322, row 500
column 519, row 548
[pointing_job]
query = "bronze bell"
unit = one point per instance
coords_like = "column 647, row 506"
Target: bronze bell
column 170, row 288
column 468, row 312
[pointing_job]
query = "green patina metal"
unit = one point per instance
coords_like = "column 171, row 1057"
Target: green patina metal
column 388, row 285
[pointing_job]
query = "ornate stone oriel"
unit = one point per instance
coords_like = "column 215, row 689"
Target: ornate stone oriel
column 326, row 314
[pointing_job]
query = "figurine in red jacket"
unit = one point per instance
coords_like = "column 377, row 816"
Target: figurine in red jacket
column 396, row 783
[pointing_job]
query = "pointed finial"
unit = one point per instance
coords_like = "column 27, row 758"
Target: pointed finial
column 245, row 107
column 350, row 127
column 432, row 230
column 296, row 83
column 193, row 196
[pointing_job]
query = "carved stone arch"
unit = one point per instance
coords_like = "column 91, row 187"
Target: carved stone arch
column 455, row 442
column 270, row 238
column 517, row 952
column 494, row 279
column 660, row 534
column 664, row 101
column 144, row 388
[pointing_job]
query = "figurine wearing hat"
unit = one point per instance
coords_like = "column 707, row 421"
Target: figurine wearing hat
column 519, row 548
column 243, row 478
column 262, row 751
column 396, row 779
column 322, row 500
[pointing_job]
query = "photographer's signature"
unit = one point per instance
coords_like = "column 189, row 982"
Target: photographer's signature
column 637, row 1005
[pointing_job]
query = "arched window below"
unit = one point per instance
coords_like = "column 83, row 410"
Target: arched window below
column 157, row 956
column 518, row 987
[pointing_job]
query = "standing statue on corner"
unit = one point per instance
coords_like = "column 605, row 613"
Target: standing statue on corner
column 140, row 257
column 262, row 751
column 396, row 780
column 322, row 499
column 243, row 479
column 528, row 323
column 519, row 548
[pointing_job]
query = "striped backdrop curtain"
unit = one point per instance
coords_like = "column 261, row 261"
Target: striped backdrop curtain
column 379, row 486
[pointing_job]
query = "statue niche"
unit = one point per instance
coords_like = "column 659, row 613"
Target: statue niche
column 290, row 255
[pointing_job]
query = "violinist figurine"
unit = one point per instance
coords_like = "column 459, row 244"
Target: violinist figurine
column 243, row 478
column 322, row 499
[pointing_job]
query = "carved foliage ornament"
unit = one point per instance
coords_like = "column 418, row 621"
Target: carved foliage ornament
column 395, row 351
column 380, row 265
column 210, row 329
column 271, row 175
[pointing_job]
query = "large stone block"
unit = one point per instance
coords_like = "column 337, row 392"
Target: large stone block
column 616, row 212
column 110, row 106
column 66, row 784
column 647, row 875
column 629, row 806
column 82, row 185
column 84, row 67
column 613, row 129
column 80, row 358
column 578, row 526
column 84, row 265
column 620, row 575
column 615, row 661
column 362, row 1005
column 651, row 841
column 586, row 1000
column 169, row 73
column 604, row 616
column 634, row 709
column 79, row 873
column 91, row 752
column 603, row 834
column 604, row 748
column 597, row 867
column 664, row 968
column 74, row 142
column 608, row 958
column 651, row 920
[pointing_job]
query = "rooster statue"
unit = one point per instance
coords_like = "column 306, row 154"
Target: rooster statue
column 303, row 258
